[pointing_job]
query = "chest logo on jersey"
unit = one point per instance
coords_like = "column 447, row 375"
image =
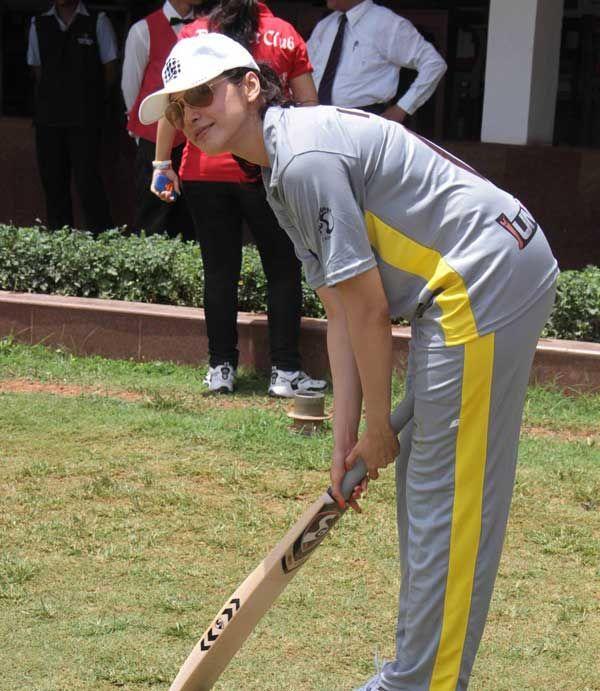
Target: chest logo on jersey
column 326, row 222
column 273, row 38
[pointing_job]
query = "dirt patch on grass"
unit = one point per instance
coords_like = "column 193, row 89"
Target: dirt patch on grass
column 59, row 389
column 233, row 401
column 589, row 435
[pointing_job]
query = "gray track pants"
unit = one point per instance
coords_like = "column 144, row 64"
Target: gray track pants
column 455, row 479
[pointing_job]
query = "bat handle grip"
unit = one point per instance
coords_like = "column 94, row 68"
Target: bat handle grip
column 400, row 417
column 353, row 477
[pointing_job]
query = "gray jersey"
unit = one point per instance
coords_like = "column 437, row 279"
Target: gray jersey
column 354, row 191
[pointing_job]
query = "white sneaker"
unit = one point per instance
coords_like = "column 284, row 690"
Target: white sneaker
column 286, row 384
column 221, row 378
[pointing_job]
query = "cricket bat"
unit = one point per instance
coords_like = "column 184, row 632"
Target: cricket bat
column 254, row 597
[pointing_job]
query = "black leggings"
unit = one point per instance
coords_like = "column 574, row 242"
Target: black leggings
column 218, row 210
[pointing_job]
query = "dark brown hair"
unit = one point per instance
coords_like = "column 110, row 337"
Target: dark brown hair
column 273, row 94
column 237, row 19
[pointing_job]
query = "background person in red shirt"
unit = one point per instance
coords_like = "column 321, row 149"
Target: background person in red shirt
column 148, row 43
column 221, row 196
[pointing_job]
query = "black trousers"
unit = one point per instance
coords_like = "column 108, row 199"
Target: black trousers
column 72, row 152
column 218, row 210
column 152, row 214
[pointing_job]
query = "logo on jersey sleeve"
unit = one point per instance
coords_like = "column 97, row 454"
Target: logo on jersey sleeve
column 522, row 227
column 326, row 222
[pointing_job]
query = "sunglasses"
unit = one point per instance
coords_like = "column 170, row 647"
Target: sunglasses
column 197, row 97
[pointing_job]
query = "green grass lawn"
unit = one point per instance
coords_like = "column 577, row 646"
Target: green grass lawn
column 132, row 504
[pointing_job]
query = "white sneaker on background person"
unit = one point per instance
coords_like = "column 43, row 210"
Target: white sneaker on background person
column 285, row 384
column 220, row 379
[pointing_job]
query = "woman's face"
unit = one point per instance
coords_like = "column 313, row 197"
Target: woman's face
column 220, row 126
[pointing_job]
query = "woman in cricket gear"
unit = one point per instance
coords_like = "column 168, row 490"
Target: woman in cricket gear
column 221, row 196
column 389, row 225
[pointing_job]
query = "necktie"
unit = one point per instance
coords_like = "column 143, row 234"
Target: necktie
column 333, row 60
column 178, row 20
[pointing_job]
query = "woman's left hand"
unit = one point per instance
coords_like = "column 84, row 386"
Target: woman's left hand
column 338, row 470
column 377, row 447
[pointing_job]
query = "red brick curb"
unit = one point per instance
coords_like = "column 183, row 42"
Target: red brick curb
column 139, row 331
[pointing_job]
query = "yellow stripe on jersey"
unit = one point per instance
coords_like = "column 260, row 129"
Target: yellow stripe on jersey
column 397, row 249
column 469, row 479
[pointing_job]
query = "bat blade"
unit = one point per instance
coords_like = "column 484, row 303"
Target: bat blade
column 249, row 603
column 254, row 597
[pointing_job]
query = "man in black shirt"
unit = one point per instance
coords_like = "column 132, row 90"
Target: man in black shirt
column 72, row 53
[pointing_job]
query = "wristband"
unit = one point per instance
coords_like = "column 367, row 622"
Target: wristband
column 161, row 165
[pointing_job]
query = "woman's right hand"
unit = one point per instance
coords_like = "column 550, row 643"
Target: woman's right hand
column 166, row 195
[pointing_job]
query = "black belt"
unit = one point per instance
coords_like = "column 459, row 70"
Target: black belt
column 375, row 108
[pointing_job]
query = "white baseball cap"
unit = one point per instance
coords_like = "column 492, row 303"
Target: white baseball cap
column 191, row 62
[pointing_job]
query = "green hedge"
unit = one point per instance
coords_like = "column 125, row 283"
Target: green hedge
column 122, row 267
column 162, row 270
column 576, row 313
column 65, row 262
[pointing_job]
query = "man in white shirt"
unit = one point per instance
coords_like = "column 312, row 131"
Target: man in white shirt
column 357, row 52
column 148, row 43
column 73, row 55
